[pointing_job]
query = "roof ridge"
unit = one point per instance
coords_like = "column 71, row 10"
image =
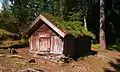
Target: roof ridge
column 48, row 22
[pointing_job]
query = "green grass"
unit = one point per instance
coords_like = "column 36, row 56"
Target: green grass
column 7, row 44
column 95, row 46
column 2, row 31
column 5, row 35
column 6, row 39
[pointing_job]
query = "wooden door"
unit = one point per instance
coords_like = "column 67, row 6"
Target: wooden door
column 44, row 44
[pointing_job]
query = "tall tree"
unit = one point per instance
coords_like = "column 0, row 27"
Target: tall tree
column 6, row 9
column 102, row 25
column 81, row 10
column 7, row 20
column 58, row 7
column 25, row 11
column 5, row 13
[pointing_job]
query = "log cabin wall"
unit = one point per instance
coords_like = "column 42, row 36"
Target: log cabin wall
column 56, row 45
column 45, row 39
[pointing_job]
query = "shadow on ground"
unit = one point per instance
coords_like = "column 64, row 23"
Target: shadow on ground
column 87, row 54
column 20, row 46
column 115, row 66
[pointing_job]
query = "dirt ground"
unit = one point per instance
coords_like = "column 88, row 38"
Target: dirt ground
column 103, row 61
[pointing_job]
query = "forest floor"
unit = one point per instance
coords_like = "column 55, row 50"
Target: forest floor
column 103, row 61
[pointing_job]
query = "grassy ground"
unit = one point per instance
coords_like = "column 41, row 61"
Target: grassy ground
column 13, row 43
column 8, row 39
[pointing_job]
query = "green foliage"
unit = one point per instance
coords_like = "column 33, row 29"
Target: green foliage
column 7, row 19
column 95, row 46
column 72, row 27
column 23, row 12
column 6, row 8
column 2, row 31
column 53, row 18
column 9, row 43
column 4, row 34
column 58, row 7
column 81, row 10
column 75, row 28
column 115, row 47
column 75, row 16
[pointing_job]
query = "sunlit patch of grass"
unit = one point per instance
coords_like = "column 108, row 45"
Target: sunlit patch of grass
column 9, row 43
column 4, row 34
column 2, row 31
column 95, row 46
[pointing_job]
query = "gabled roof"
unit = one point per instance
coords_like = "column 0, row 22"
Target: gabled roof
column 36, row 24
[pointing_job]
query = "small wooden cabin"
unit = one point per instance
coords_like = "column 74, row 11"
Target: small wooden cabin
column 45, row 37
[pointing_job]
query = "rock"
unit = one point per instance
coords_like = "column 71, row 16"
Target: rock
column 32, row 60
column 1, row 51
column 15, row 56
column 56, row 59
column 12, row 51
column 2, row 55
column 105, row 57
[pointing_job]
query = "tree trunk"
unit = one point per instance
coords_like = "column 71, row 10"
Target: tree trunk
column 102, row 26
column 85, row 23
